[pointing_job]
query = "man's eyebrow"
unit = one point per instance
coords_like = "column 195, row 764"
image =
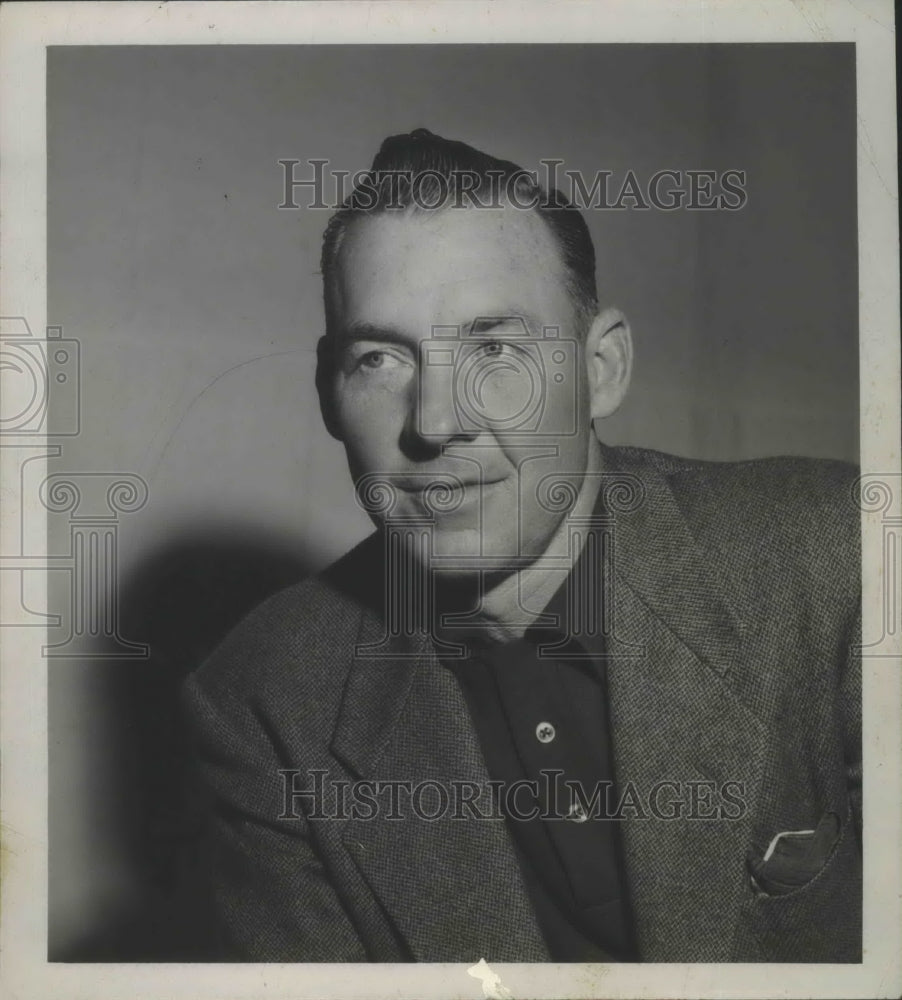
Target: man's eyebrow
column 475, row 326
column 372, row 331
column 485, row 323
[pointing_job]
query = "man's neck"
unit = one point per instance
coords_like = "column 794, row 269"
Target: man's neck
column 513, row 604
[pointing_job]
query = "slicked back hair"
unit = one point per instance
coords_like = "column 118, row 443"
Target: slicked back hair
column 419, row 171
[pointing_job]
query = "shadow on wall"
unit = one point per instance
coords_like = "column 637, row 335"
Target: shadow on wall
column 181, row 601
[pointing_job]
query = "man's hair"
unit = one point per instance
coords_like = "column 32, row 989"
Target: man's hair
column 419, row 171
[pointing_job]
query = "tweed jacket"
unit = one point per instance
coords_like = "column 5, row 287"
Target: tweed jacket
column 735, row 596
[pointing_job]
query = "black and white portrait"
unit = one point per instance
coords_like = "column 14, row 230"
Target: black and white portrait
column 453, row 475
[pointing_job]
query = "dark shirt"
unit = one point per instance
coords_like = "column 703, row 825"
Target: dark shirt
column 543, row 718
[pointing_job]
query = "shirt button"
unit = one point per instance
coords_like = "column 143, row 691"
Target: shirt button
column 545, row 732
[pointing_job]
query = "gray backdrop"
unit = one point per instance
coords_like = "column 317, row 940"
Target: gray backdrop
column 197, row 305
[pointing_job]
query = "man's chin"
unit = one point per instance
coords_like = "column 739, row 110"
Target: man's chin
column 455, row 545
column 463, row 551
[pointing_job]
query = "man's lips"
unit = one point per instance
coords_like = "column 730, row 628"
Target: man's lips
column 451, row 483
column 446, row 495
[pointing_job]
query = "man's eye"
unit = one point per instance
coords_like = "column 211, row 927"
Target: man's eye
column 378, row 363
column 377, row 359
column 493, row 348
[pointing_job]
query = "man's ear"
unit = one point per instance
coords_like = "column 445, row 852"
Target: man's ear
column 609, row 362
column 325, row 384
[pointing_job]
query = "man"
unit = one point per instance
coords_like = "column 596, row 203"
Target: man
column 569, row 702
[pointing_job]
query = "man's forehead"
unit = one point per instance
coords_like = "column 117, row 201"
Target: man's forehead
column 450, row 260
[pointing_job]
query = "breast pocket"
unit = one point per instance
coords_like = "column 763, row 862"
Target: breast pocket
column 800, row 911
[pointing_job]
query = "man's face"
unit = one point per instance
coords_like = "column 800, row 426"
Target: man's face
column 448, row 371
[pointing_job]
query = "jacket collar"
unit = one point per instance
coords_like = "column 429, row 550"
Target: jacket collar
column 680, row 582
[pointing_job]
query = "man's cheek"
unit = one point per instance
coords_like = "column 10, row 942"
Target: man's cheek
column 562, row 413
column 368, row 424
column 363, row 446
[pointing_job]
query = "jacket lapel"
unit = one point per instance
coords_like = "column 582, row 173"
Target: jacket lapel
column 675, row 718
column 452, row 885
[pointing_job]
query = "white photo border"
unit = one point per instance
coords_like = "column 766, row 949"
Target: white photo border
column 27, row 30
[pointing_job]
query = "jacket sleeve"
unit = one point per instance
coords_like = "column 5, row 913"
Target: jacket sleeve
column 267, row 892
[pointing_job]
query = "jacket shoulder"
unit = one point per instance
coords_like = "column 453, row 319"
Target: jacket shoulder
column 786, row 487
column 302, row 630
column 798, row 517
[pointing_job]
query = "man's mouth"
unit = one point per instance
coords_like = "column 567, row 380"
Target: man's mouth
column 445, row 494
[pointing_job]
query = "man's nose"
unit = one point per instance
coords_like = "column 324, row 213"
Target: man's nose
column 437, row 413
